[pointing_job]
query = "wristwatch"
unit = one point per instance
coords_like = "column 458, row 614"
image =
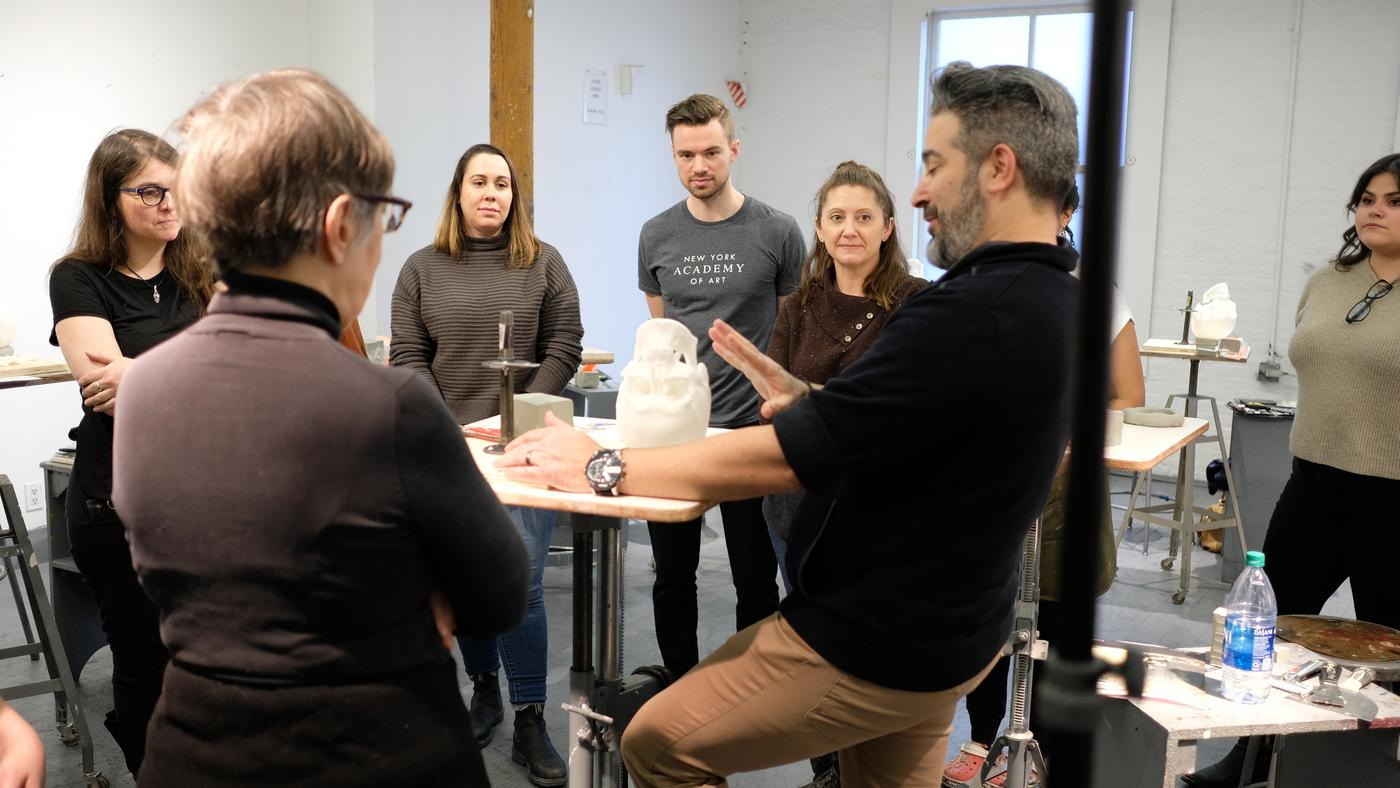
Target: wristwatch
column 605, row 471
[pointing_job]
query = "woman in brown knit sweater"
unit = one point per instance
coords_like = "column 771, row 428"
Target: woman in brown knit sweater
column 446, row 306
column 853, row 279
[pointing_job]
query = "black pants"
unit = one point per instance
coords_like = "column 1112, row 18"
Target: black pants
column 986, row 705
column 128, row 617
column 407, row 730
column 1330, row 525
column 676, row 547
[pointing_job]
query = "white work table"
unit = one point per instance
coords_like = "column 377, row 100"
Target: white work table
column 1144, row 448
column 595, row 679
column 1151, row 741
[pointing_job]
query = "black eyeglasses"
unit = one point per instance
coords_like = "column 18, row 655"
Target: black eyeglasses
column 150, row 195
column 1362, row 308
column 396, row 208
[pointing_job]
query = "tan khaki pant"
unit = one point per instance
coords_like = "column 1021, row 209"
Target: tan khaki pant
column 765, row 698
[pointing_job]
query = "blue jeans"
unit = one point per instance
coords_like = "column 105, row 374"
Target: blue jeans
column 779, row 510
column 780, row 547
column 524, row 649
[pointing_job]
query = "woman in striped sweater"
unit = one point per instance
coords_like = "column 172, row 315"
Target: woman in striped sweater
column 485, row 258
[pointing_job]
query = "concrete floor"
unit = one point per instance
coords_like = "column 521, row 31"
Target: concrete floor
column 1137, row 608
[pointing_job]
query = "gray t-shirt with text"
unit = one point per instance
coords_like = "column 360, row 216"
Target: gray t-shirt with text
column 733, row 270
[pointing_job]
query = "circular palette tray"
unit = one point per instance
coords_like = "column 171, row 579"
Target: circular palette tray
column 1346, row 641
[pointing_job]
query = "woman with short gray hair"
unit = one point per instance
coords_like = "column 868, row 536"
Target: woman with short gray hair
column 307, row 523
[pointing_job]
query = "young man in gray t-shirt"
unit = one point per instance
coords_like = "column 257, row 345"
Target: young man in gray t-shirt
column 715, row 254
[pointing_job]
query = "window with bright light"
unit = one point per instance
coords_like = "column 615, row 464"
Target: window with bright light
column 1055, row 40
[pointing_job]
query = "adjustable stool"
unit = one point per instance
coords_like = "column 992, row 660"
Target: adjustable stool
column 68, row 706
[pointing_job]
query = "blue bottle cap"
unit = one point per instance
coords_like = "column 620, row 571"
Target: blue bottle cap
column 1254, row 558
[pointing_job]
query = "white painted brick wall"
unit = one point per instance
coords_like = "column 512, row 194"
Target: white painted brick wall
column 1222, row 171
column 816, row 73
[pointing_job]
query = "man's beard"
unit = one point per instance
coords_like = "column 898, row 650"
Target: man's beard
column 959, row 226
column 714, row 188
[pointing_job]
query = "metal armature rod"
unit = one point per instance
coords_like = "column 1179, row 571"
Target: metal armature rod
column 506, row 352
column 506, row 364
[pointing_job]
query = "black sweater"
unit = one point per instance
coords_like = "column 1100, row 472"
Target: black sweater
column 924, row 463
column 290, row 505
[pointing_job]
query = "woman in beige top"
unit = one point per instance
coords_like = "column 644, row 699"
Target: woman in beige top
column 1346, row 440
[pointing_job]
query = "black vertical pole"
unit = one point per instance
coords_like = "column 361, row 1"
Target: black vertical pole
column 1071, row 672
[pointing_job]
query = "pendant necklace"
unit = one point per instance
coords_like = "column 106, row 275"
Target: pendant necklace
column 155, row 288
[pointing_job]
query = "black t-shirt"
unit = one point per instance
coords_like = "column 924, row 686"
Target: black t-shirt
column 139, row 323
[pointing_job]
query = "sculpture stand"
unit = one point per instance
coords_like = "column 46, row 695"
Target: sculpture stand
column 506, row 364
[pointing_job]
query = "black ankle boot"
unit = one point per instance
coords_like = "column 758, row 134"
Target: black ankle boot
column 533, row 750
column 1225, row 773
column 826, row 772
column 486, row 710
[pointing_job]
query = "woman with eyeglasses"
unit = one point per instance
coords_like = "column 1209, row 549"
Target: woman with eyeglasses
column 1335, row 519
column 484, row 258
column 309, row 525
column 131, row 280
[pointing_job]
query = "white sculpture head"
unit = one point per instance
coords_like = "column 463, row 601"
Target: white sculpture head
column 665, row 394
column 9, row 323
column 1214, row 317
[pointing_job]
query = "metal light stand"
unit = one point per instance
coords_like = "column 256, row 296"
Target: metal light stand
column 1023, row 757
column 507, row 365
column 1068, row 691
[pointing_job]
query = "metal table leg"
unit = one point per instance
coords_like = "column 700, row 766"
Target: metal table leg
column 581, row 671
column 1128, row 513
column 609, row 628
column 597, row 660
column 1184, row 512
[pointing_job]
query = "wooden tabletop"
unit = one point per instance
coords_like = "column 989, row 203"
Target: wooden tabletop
column 32, row 372
column 593, row 355
column 1162, row 348
column 1144, row 448
column 604, row 431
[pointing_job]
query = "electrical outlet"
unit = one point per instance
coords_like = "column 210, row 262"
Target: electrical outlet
column 33, row 496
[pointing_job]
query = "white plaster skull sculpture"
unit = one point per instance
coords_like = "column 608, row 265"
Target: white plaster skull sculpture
column 1214, row 316
column 665, row 394
column 9, row 326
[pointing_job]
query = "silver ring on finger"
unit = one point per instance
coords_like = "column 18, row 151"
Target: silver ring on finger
column 527, row 457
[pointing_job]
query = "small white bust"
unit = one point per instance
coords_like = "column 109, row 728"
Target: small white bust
column 665, row 394
column 1214, row 317
column 9, row 327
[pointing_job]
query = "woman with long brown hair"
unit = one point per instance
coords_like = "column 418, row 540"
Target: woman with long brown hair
column 131, row 280
column 853, row 279
column 485, row 258
column 1345, row 441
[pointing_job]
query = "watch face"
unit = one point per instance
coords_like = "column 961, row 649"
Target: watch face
column 594, row 472
column 604, row 470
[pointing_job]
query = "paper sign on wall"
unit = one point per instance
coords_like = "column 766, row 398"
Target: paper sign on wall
column 595, row 96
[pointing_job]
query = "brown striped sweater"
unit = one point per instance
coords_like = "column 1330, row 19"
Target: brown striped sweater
column 445, row 315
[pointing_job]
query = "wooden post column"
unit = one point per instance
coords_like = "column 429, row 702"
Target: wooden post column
column 513, row 88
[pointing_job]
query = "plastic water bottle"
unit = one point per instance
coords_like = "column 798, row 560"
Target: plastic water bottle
column 1251, row 615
